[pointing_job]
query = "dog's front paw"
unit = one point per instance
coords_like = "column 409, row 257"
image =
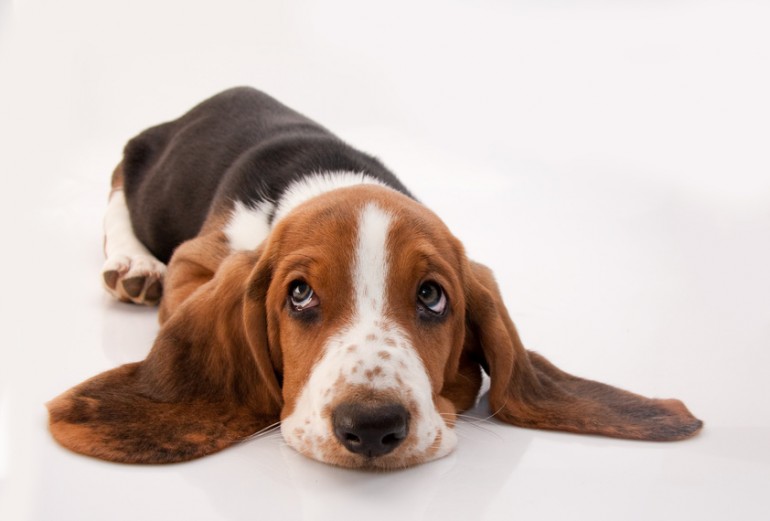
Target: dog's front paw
column 135, row 278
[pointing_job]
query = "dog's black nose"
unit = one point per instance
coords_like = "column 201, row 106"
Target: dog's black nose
column 370, row 430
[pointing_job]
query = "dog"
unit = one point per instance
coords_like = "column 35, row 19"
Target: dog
column 300, row 282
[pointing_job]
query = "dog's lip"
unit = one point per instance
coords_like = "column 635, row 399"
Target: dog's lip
column 388, row 462
column 377, row 463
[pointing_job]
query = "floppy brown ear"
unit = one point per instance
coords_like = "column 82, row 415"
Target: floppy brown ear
column 201, row 388
column 528, row 391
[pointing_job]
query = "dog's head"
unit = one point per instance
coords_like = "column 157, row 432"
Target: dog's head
column 363, row 327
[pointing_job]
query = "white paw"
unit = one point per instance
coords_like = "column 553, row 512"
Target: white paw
column 135, row 278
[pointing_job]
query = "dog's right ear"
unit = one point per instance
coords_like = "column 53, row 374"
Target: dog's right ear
column 207, row 383
column 527, row 390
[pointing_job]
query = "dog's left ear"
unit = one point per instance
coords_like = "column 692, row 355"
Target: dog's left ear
column 207, row 383
column 528, row 391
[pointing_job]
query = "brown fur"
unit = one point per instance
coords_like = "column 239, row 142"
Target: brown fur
column 199, row 390
column 193, row 264
column 229, row 360
column 529, row 391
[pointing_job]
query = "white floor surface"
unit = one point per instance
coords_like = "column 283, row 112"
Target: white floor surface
column 609, row 160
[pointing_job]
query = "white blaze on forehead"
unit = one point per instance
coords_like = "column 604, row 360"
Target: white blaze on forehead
column 371, row 351
column 370, row 270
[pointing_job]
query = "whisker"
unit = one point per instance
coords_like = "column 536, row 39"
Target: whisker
column 270, row 429
column 462, row 418
column 272, row 436
column 499, row 408
column 485, row 430
column 469, row 418
column 462, row 435
column 474, row 422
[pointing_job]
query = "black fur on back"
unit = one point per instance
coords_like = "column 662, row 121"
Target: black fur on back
column 238, row 145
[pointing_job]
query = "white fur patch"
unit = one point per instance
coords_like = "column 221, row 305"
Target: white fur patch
column 371, row 352
column 371, row 269
column 248, row 226
column 125, row 254
column 318, row 184
column 118, row 233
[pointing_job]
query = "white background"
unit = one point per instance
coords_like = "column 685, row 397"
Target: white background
column 609, row 160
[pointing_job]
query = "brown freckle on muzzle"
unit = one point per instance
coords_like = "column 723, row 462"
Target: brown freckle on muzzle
column 436, row 444
column 384, row 355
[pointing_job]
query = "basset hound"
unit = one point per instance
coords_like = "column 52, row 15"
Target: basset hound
column 302, row 283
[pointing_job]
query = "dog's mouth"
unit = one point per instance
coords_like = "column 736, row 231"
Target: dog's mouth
column 396, row 460
column 376, row 436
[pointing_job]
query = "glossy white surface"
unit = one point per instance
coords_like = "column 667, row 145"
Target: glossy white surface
column 610, row 163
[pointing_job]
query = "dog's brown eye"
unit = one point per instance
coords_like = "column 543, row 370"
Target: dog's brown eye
column 432, row 297
column 302, row 296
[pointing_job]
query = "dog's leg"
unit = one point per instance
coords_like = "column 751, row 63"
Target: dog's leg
column 193, row 264
column 130, row 272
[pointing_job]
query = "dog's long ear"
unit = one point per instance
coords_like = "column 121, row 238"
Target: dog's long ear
column 528, row 391
column 205, row 385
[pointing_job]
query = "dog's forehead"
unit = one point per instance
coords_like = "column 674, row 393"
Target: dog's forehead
column 334, row 220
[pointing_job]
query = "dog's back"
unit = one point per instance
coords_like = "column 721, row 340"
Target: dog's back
column 240, row 145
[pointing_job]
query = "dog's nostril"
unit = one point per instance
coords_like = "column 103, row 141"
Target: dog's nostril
column 370, row 429
column 392, row 439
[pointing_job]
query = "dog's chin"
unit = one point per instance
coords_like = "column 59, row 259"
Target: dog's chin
column 335, row 454
column 347, row 460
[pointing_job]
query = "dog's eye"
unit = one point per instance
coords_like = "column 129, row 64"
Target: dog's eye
column 302, row 296
column 431, row 297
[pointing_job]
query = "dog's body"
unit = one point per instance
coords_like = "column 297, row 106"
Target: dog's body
column 305, row 284
column 240, row 145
